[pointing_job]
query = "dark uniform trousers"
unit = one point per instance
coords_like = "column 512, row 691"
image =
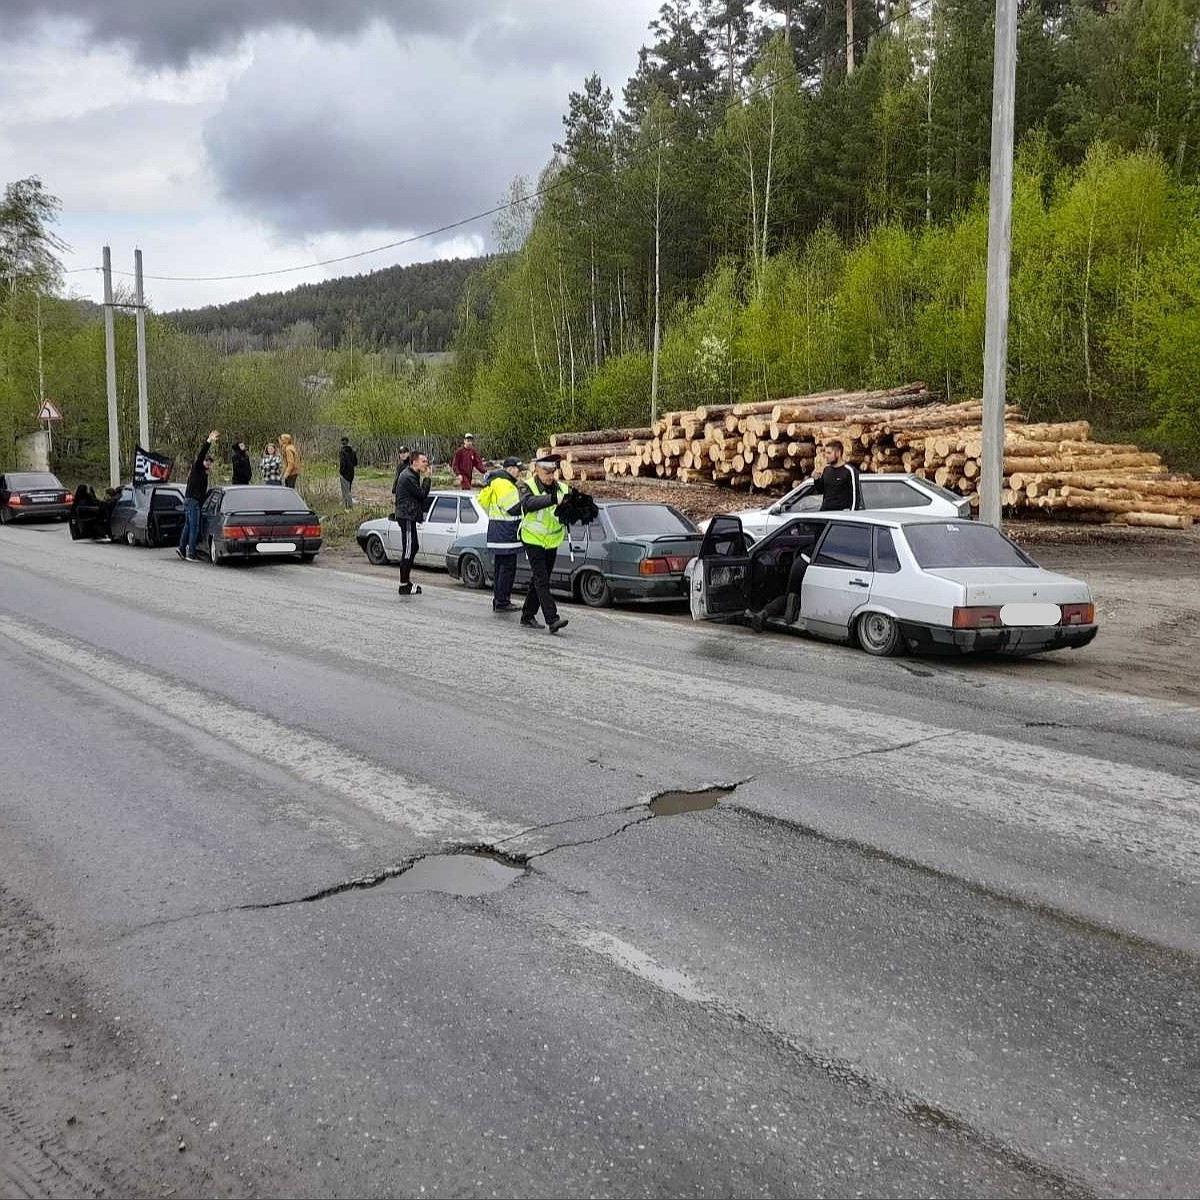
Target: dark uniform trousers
column 505, row 572
column 541, row 563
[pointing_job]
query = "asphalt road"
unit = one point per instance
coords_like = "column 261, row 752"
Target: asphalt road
column 940, row 934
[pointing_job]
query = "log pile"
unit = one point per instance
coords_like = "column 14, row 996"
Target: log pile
column 1051, row 469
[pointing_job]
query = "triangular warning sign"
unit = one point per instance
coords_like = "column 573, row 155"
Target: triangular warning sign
column 49, row 413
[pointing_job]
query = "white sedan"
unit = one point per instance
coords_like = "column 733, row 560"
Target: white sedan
column 892, row 582
column 449, row 515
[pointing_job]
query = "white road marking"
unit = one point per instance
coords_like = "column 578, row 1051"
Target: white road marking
column 426, row 811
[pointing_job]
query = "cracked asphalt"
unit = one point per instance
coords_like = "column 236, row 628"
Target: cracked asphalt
column 938, row 937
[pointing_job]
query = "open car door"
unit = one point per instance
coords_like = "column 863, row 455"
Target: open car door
column 721, row 572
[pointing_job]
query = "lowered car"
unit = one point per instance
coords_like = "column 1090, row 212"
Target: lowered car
column 893, row 582
column 33, row 496
column 877, row 493
column 251, row 520
column 631, row 554
column 147, row 514
column 449, row 515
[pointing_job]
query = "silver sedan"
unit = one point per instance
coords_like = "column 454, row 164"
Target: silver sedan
column 891, row 582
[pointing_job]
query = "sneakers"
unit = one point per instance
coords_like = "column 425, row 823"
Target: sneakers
column 792, row 611
column 179, row 551
column 409, row 589
column 756, row 620
column 190, row 558
column 504, row 608
column 531, row 623
column 557, row 624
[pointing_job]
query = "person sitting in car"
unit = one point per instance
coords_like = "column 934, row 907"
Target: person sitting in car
column 787, row 603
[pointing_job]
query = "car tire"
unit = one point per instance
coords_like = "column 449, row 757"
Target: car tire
column 214, row 555
column 594, row 590
column 376, row 554
column 5, row 515
column 879, row 634
column 471, row 572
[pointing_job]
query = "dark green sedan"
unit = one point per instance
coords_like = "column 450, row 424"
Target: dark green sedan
column 631, row 554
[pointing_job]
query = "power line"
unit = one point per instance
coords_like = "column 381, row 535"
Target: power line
column 560, row 182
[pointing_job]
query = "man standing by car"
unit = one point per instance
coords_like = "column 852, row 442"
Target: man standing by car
column 541, row 534
column 347, row 461
column 466, row 461
column 240, row 461
column 412, row 495
column 197, row 489
column 501, row 500
column 837, row 485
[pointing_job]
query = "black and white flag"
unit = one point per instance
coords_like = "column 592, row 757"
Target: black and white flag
column 149, row 467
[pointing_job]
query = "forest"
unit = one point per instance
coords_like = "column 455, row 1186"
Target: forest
column 783, row 197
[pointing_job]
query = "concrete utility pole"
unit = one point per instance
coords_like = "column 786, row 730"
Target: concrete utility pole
column 849, row 37
column 143, row 394
column 110, row 375
column 995, row 351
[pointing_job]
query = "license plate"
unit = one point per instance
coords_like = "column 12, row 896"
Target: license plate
column 275, row 548
column 44, row 499
column 1031, row 615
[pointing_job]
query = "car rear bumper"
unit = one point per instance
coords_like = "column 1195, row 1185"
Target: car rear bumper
column 1010, row 640
column 39, row 512
column 249, row 547
column 652, row 589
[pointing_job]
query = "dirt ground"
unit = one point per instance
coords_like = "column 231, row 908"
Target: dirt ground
column 1146, row 583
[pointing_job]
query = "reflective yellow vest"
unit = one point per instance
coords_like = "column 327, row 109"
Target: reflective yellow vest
column 543, row 528
column 498, row 497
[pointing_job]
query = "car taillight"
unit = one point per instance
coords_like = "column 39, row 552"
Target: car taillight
column 977, row 616
column 14, row 501
column 308, row 531
column 671, row 564
column 237, row 532
column 69, row 498
column 1078, row 614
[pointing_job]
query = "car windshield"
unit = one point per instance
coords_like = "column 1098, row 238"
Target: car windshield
column 32, row 479
column 962, row 544
column 262, row 499
column 636, row 520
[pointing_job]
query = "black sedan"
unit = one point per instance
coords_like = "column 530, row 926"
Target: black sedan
column 255, row 521
column 632, row 553
column 147, row 514
column 33, row 496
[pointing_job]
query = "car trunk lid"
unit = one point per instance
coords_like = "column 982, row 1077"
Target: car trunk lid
column 1013, row 585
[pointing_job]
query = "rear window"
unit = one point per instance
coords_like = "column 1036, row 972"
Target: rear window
column 634, row 520
column 20, row 480
column 962, row 544
column 263, row 499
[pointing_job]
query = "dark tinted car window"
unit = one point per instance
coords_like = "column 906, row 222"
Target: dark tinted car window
column 963, row 544
column 845, row 546
column 467, row 513
column 596, row 531
column 19, row 480
column 886, row 558
column 444, row 511
column 633, row 520
column 262, row 499
column 892, row 493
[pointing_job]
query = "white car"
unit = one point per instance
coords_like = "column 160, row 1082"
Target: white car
column 893, row 582
column 449, row 515
column 880, row 493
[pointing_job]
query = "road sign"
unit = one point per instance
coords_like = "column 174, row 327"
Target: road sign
column 48, row 412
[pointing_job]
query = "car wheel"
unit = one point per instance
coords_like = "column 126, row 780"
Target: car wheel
column 5, row 515
column 879, row 634
column 594, row 589
column 471, row 571
column 214, row 555
column 376, row 555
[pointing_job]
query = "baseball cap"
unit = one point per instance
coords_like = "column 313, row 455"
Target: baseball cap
column 512, row 462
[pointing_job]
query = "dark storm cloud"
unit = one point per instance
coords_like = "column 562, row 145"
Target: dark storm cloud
column 170, row 32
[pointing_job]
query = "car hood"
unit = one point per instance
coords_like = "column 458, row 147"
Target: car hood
column 1007, row 585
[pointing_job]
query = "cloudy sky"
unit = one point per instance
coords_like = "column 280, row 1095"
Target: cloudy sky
column 234, row 136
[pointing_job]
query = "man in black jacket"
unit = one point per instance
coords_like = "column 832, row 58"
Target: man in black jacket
column 838, row 483
column 347, row 461
column 240, row 461
column 412, row 494
column 197, row 489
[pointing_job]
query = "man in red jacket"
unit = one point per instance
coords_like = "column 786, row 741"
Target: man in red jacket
column 466, row 462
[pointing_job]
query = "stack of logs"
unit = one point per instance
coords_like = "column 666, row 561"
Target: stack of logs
column 1049, row 468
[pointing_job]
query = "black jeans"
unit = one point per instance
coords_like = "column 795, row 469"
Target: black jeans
column 541, row 563
column 776, row 607
column 505, row 573
column 408, row 549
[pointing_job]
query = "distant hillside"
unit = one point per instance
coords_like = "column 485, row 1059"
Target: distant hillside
column 405, row 307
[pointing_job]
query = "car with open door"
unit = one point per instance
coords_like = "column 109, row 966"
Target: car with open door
column 877, row 493
column 33, row 496
column 632, row 553
column 147, row 514
column 893, row 582
column 254, row 520
column 449, row 515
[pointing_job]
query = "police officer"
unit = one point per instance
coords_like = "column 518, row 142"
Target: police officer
column 501, row 500
column 541, row 534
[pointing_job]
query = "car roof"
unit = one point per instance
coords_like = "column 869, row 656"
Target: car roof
column 878, row 517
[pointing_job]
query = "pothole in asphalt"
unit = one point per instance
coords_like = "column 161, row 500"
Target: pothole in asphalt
column 465, row 874
column 672, row 804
